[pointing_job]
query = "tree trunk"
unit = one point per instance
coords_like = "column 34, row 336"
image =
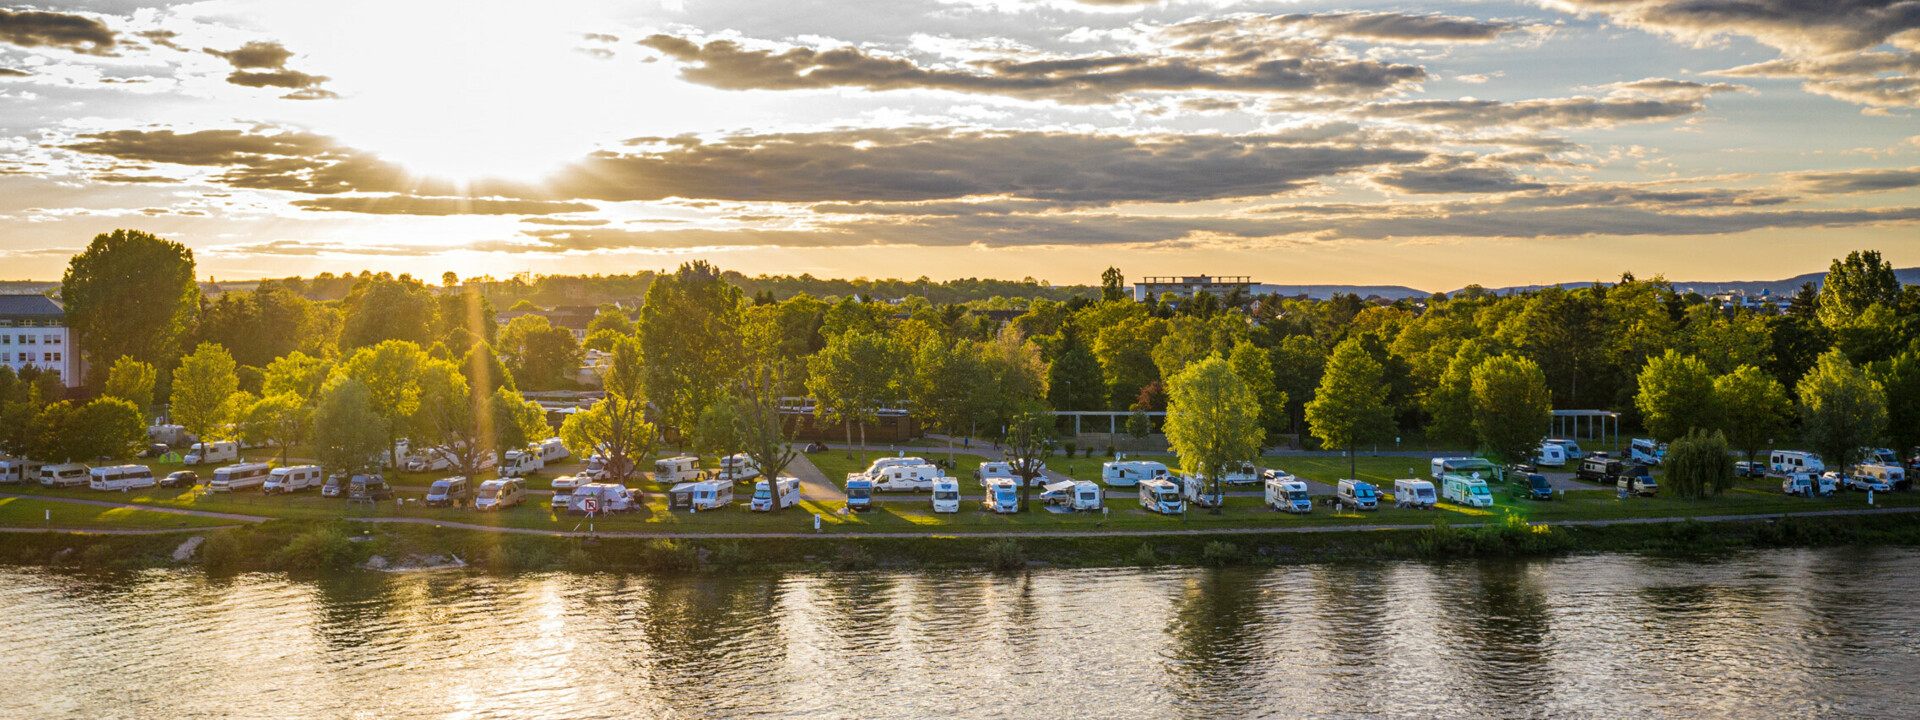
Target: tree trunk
column 1352, row 464
column 1219, row 496
column 863, row 441
column 847, row 422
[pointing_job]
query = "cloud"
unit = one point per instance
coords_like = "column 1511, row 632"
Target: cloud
column 14, row 72
column 280, row 159
column 1856, row 181
column 572, row 222
column 256, row 56
column 1452, row 180
column 1375, row 26
column 1652, row 100
column 29, row 28
column 415, row 205
column 264, row 64
column 1670, row 89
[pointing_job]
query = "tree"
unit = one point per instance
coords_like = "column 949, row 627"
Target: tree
column 1139, row 425
column 1254, row 365
column 1511, row 407
column 1029, row 443
column 1698, row 466
column 1299, row 361
column 690, row 335
column 1113, row 285
column 390, row 372
column 52, row 435
column 610, row 318
column 1213, row 419
column 203, row 387
column 1074, row 380
column 718, row 431
column 1852, row 285
column 946, row 374
column 761, row 429
column 1012, row 376
column 1450, row 404
column 1841, row 410
column 484, row 370
column 516, row 421
column 1899, row 380
column 381, row 309
column 130, row 294
column 1754, row 409
column 281, row 420
column 539, row 354
column 296, row 374
column 349, row 435
column 108, row 427
column 616, row 425
column 853, row 377
column 1350, row 406
column 132, row 381
column 1676, row 395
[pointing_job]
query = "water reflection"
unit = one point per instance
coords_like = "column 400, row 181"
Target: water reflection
column 1788, row 633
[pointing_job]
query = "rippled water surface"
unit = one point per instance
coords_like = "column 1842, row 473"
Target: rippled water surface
column 1775, row 634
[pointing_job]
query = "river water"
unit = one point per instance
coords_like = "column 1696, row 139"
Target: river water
column 1797, row 633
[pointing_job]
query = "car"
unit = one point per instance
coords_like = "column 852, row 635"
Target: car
column 1749, row 469
column 155, row 450
column 1535, row 486
column 1868, row 483
column 180, row 478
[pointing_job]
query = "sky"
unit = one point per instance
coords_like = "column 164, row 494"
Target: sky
column 1431, row 145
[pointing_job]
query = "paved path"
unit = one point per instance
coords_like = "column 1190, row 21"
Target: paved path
column 119, row 531
column 814, row 485
column 140, row 506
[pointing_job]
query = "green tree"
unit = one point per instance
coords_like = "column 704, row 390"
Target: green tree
column 296, row 374
column 539, row 354
column 762, row 430
column 616, row 425
column 108, row 427
column 1511, row 407
column 855, row 375
column 1854, row 284
column 1841, row 410
column 53, row 435
column 610, row 318
column 349, row 435
column 130, row 294
column 1029, row 442
column 946, row 374
column 132, row 381
column 1450, row 404
column 1754, row 409
column 1139, row 425
column 1213, row 419
column 484, row 370
column 690, row 335
column 1299, row 361
column 1350, row 406
column 1254, row 365
column 1012, row 377
column 1698, row 466
column 1899, row 380
column 381, row 309
column 516, row 421
column 1074, row 379
column 1676, row 395
column 1113, row 286
column 280, row 421
column 718, row 431
column 203, row 388
column 390, row 372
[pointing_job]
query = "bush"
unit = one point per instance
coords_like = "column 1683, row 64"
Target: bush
column 1220, row 553
column 853, row 557
column 220, row 552
column 1004, row 554
column 1145, row 556
column 578, row 560
column 1112, row 451
column 326, row 547
column 1070, row 448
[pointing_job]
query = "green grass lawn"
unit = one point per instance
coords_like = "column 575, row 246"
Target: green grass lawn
column 24, row 512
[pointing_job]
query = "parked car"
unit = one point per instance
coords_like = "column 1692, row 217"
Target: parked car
column 180, row 478
column 447, row 492
column 1638, row 481
column 1861, row 481
column 155, row 450
column 816, row 447
column 1749, row 469
column 1534, row 486
column 369, row 487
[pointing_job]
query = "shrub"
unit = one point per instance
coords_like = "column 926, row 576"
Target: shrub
column 220, row 552
column 853, row 557
column 578, row 560
column 1145, row 556
column 325, row 547
column 1004, row 554
column 1112, row 451
column 1220, row 553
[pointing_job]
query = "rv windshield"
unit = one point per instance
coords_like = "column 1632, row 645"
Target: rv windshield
column 762, row 494
column 1539, row 482
column 1477, row 489
column 858, row 492
column 487, row 493
column 1167, row 495
column 1362, row 491
column 1296, row 494
column 946, row 495
column 1425, row 493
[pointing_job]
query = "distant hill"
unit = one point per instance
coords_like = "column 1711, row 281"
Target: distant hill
column 1323, row 292
column 1789, row 286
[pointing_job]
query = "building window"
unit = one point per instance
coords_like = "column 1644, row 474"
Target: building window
column 26, row 339
column 53, row 357
column 6, row 339
column 6, row 357
column 26, row 357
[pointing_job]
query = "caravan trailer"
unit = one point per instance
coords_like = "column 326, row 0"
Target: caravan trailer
column 1126, row 473
column 1288, row 494
column 204, row 453
column 763, row 497
column 523, row 462
column 1417, row 494
column 239, row 477
column 551, row 450
column 1795, row 461
column 676, row 469
column 1647, row 451
column 738, row 467
column 1194, row 489
column 292, row 478
column 990, row 471
column 19, row 471
column 1550, row 455
column 121, row 478
column 1567, row 447
column 1241, row 473
column 1161, row 496
column 906, row 478
column 65, row 475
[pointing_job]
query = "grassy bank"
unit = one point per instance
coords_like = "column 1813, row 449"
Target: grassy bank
column 319, row 546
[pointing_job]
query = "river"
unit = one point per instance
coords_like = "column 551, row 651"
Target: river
column 1796, row 633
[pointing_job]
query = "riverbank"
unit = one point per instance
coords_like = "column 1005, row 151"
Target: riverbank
column 308, row 546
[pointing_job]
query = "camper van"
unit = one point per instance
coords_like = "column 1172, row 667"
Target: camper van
column 120, row 478
column 1461, row 466
column 1637, row 480
column 1161, row 496
column 1647, row 451
column 447, row 492
column 1466, row 490
column 1893, row 477
column 563, row 488
column 1798, row 485
column 521, row 463
column 430, row 460
column 368, row 488
column 1003, row 496
column 607, row 498
column 206, row 453
column 173, row 435
column 906, row 478
column 19, row 471
column 1879, row 456
column 500, row 494
column 738, row 468
column 1567, row 447
column 1126, row 473
column 1599, row 468
column 335, row 486
column 64, row 475
column 1357, row 495
column 1417, row 494
column 1550, row 455
column 1532, row 485
column 676, row 469
column 1288, row 494
column 239, row 477
column 990, row 471
column 789, row 487
column 1199, row 491
column 859, row 495
column 1795, row 461
column 293, row 478
column 550, row 450
column 946, row 495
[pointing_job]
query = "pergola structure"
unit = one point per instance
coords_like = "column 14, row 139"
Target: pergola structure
column 1586, row 424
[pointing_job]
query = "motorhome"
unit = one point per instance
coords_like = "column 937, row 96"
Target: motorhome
column 1417, row 494
column 1568, row 447
column 1241, row 473
column 1468, row 466
column 1465, row 490
column 881, row 464
column 401, row 455
column 500, row 494
column 430, row 460
column 907, row 478
column 859, row 495
column 676, row 469
column 738, row 468
column 1879, row 456
column 1126, row 473
column 1161, row 496
column 174, row 435
column 763, row 497
column 550, row 450
column 601, row 467
column 1795, row 461
column 1532, row 485
column 1647, row 451
column 1799, row 485
column 369, row 487
column 293, row 478
column 946, row 495
column 1894, row 477
column 1550, row 455
column 19, row 471
column 1600, row 468
column 1288, row 494
column 1003, row 496
column 989, row 471
column 1357, row 495
column 521, row 463
column 65, row 475
column 239, row 477
column 207, row 453
column 1637, row 480
column 605, row 498
column 447, row 492
column 120, row 478
column 1200, row 492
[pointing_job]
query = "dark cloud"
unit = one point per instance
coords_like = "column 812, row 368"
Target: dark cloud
column 255, row 56
column 1299, row 67
column 14, row 72
column 264, row 65
column 291, row 79
column 163, row 38
column 1454, row 180
column 571, row 222
column 1375, row 26
column 28, row 28
column 289, row 160
column 415, row 205
column 1545, row 114
column 1857, row 181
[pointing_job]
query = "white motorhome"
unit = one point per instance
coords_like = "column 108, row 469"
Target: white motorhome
column 1003, row 496
column 1357, row 494
column 1198, row 491
column 1878, row 476
column 1646, row 451
column 907, row 478
column 1550, row 455
column 676, row 469
column 697, row 496
column 1461, row 466
column 881, row 464
column 1569, row 447
column 1795, row 461
column 239, row 477
column 65, row 475
column 1879, row 456
column 1126, row 473
column 738, row 468
column 1411, row 493
column 19, row 471
column 946, row 495
column 1161, row 496
column 551, row 450
column 120, row 478
column 763, row 497
column 605, row 498
column 500, row 493
column 1288, row 494
column 990, row 471
column 521, row 463
column 1243, row 473
column 430, row 460
column 1466, row 490
column 203, row 453
column 293, row 478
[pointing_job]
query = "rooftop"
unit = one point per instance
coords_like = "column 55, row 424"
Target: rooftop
column 29, row 305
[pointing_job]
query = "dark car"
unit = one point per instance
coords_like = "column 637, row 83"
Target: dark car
column 155, row 450
column 181, row 478
column 1537, row 487
column 369, row 487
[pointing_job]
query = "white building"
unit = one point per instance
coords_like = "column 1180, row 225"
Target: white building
column 33, row 332
column 1188, row 286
